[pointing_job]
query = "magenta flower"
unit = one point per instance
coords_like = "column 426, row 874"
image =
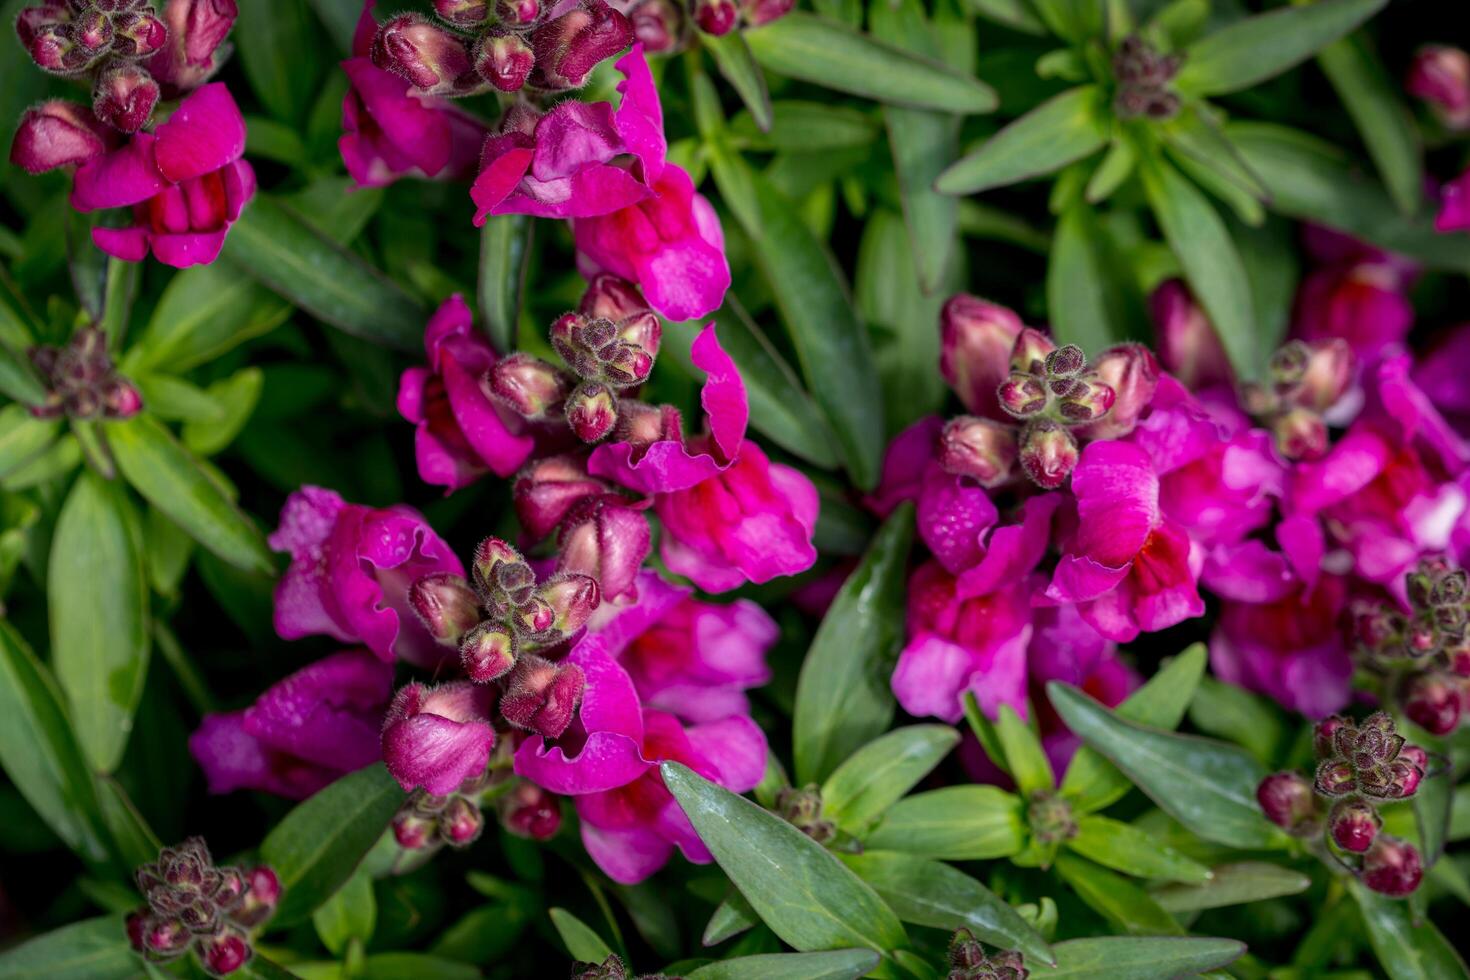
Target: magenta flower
column 461, row 432
column 436, row 738
column 1125, row 564
column 1186, row 341
column 1358, row 294
column 303, row 732
column 1227, row 493
column 196, row 30
column 1440, row 374
column 186, row 181
column 976, row 338
column 59, row 134
column 570, row 162
column 905, row 465
column 391, row 130
column 1440, row 75
column 351, row 568
column 1454, row 205
column 670, row 244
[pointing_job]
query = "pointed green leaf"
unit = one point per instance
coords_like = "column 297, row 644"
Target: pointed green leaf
column 204, row 311
column 236, row 398
column 1091, row 293
column 351, row 913
column 1372, row 98
column 1432, row 806
column 801, row 891
column 281, row 55
column 18, row 379
column 1238, row 716
column 843, row 698
column 1071, row 20
column 958, row 823
column 1406, row 949
column 1123, row 847
column 738, row 66
column 730, row 918
column 928, row 893
column 1233, row 884
column 1065, row 128
column 1208, row 786
column 23, row 437
column 1124, row 958
column 1116, row 898
column 94, row 949
column 1026, row 761
column 505, row 251
column 837, row 964
column 838, row 57
column 580, row 939
column 877, row 775
column 806, row 127
column 1252, row 50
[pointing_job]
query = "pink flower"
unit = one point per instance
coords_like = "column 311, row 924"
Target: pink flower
column 1227, row 493
column 186, row 182
column 391, row 130
column 461, row 432
column 958, row 522
column 1125, row 564
column 351, row 568
column 905, row 465
column 1440, row 373
column 59, row 134
column 976, row 338
column 436, row 738
column 1440, row 75
column 569, row 163
column 1065, row 648
column 196, row 30
column 1454, row 205
column 670, row 244
column 304, row 732
column 1187, row 344
column 1359, row 294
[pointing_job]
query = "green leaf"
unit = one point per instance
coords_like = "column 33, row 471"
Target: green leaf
column 731, row 917
column 59, row 459
column 1211, row 262
column 580, row 939
column 1372, row 99
column 1025, row 759
column 40, row 753
column 806, row 127
column 172, row 480
column 877, row 775
column 1255, row 49
column 505, row 254
column 799, row 889
column 738, row 65
column 1433, row 802
column 94, row 949
column 843, row 698
column 1116, row 898
column 204, row 311
column 351, row 913
column 958, row 823
column 318, row 845
column 1071, row 20
column 1091, row 293
column 928, row 893
column 283, row 252
column 837, row 964
column 1208, row 786
column 18, row 380
column 134, row 842
column 415, row 966
column 176, row 400
column 1091, row 781
column 1406, row 949
column 1015, row 14
column 1117, row 165
column 838, row 57
column 1124, row 958
column 23, row 437
column 1123, row 847
column 1065, row 128
column 1238, row 716
column 236, row 397
column 279, row 49
column 984, row 732
column 1233, row 884
column 99, row 636
column 340, row 19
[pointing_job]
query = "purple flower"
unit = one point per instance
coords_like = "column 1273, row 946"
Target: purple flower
column 436, row 738
column 1358, row 294
column 905, row 465
column 976, row 338
column 1440, row 374
column 304, row 732
column 351, row 569
column 59, row 134
column 1454, row 205
column 1227, row 493
column 196, row 31
column 1440, row 75
column 461, row 433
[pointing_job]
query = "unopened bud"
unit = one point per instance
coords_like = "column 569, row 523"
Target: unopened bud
column 54, row 50
column 446, row 604
column 57, row 134
column 226, row 952
column 463, row 13
column 1324, row 735
column 1329, row 372
column 1415, row 755
column 611, row 298
column 1048, row 453
column 1440, row 75
column 166, row 938
column 92, row 32
column 541, row 696
column 1132, row 372
column 461, row 822
column 641, row 424
column 570, row 46
column 414, row 831
column 490, row 555
column 124, row 96
column 1301, row 434
column 529, row 811
column 504, row 60
column 1421, row 638
column 976, row 340
column 533, row 619
column 546, row 490
column 642, row 330
column 981, row 449
column 1029, row 352
column 1288, row 365
column 758, row 12
column 966, row 953
column 262, row 895
column 1392, row 867
column 121, row 399
column 1451, row 590
column 1287, row 800
column 1354, row 822
column 1404, row 777
column 1087, row 401
column 31, row 21
column 592, row 411
column 1065, row 361
column 1186, row 341
column 716, row 17
column 1433, row 702
column 573, row 597
column 517, row 13
column 138, row 34
column 1335, row 777
column 488, row 652
column 658, row 25
column 1022, row 395
column 526, row 385
column 433, row 59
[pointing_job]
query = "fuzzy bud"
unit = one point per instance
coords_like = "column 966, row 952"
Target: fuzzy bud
column 1287, row 800
column 716, row 17
column 541, row 696
column 54, row 50
column 446, row 604
column 1132, row 372
column 1022, row 395
column 1324, row 735
column 165, row 938
column 1066, row 361
column 592, row 411
column 488, row 652
column 1354, row 822
column 1029, row 352
column 1088, row 400
column 613, row 298
column 505, row 61
column 517, row 13
column 547, row 490
column 463, row 13
column 1440, row 75
column 461, row 822
column 759, row 12
column 124, row 96
column 414, row 831
column 981, row 449
column 658, row 25
column 226, row 952
column 57, row 134
column 570, row 46
column 1328, row 373
column 572, row 597
column 1392, row 867
column 526, row 385
column 1301, row 434
column 529, row 811
column 1433, row 702
column 976, row 340
column 1335, row 777
column 606, row 540
column 433, row 59
column 1048, row 453
column 32, row 21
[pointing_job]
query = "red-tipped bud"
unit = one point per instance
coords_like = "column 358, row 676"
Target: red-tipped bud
column 1022, row 395
column 92, row 32
column 1048, row 453
column 548, row 489
column 1415, row 755
column 573, row 597
column 1392, row 867
column 124, row 96
column 976, row 340
column 138, row 35
column 1404, row 778
column 488, row 652
column 1327, row 374
column 981, row 449
column 526, row 385
column 603, row 539
column 1336, row 777
column 57, row 134
column 166, row 938
column 643, row 330
column 1187, row 343
column 446, row 604
column 716, row 17
column 1440, row 75
column 592, row 411
column 612, row 298
column 1301, row 434
column 226, row 953
column 658, row 25
column 758, row 12
column 1131, row 371
column 533, row 619
column 1433, row 702
column 461, row 822
column 1324, row 735
column 541, row 696
column 504, row 60
column 414, row 831
column 1354, row 822
column 1287, row 800
column 529, row 811
column 54, row 50
column 642, row 424
column 120, row 399
column 570, row 46
column 1029, row 352
column 1086, row 401
column 32, row 21
column 434, row 60
column 261, row 896
column 490, row 555
column 463, row 13
column 517, row 13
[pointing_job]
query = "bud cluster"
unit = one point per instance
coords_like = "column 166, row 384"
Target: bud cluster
column 70, row 37
column 1050, row 389
column 969, row 961
column 1143, row 76
column 504, row 45
column 1305, row 380
column 82, row 382
column 802, row 808
column 611, row 968
column 426, row 821
column 193, row 904
column 1050, row 817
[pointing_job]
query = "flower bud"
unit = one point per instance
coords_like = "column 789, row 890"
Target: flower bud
column 1324, row 735
column 1433, row 702
column 491, row 555
column 488, row 652
column 92, row 32
column 1452, row 589
column 1415, row 755
column 124, row 96
column 526, row 385
column 1065, row 361
column 981, row 449
column 658, row 25
column 1335, row 777
column 570, row 46
column 592, row 411
column 1440, row 75
column 611, row 297
column 625, row 364
column 446, row 604
column 546, row 490
column 414, row 831
column 607, row 541
column 1132, row 372
column 1392, row 867
column 1088, row 400
column 642, row 424
column 1186, row 341
column 1021, row 395
column 1287, row 800
column 1300, row 434
column 642, row 330
column 529, row 811
column 54, row 50
column 758, row 12
column 1328, row 373
column 541, row 696
column 461, row 822
column 1354, row 822
column 1421, row 638
column 165, row 939
column 57, row 134
column 434, row 60
column 1029, row 352
column 504, row 60
column 121, row 399
column 1404, row 777
column 225, row 953
column 716, row 17
column 138, row 35
column 573, row 597
column 31, row 21
column 1048, row 453
column 534, row 619
column 517, row 13
column 463, row 13
column 976, row 339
